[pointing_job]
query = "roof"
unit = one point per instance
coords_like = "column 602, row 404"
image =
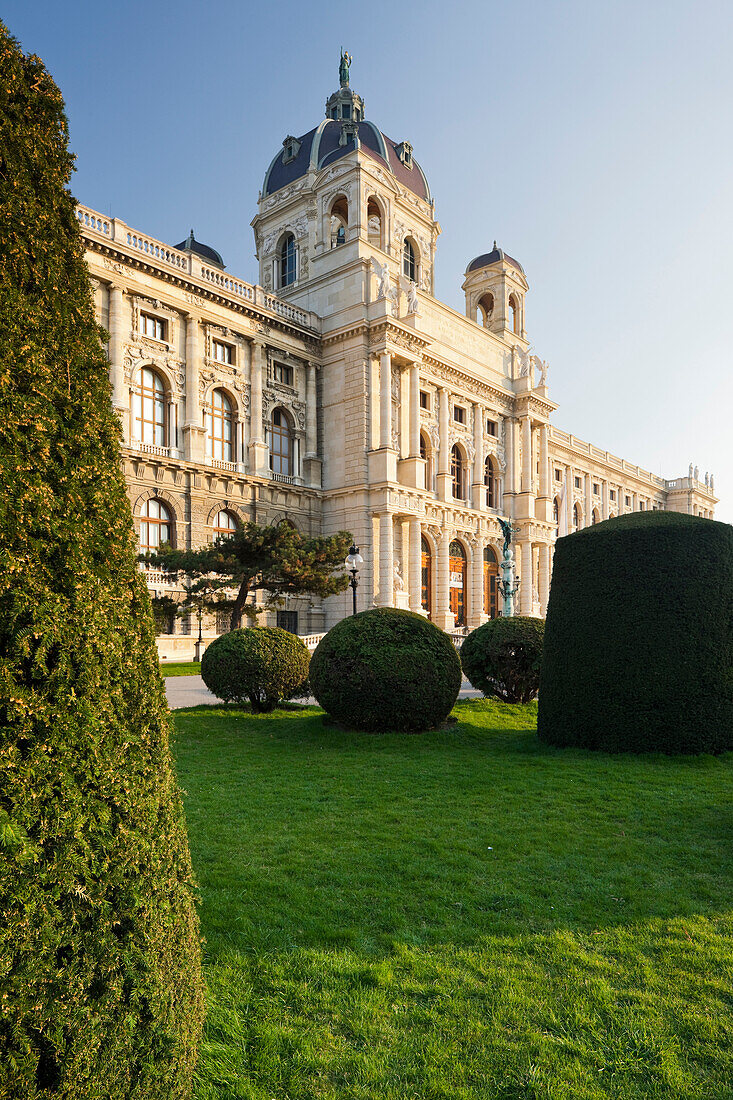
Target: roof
column 204, row 250
column 495, row 256
column 320, row 147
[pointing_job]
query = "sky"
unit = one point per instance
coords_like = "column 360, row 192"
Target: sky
column 592, row 139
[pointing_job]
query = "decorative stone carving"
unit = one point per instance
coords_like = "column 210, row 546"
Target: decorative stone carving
column 382, row 273
column 410, row 290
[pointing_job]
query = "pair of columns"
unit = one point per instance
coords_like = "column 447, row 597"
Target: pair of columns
column 534, row 568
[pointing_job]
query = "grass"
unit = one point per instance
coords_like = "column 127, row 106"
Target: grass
column 464, row 914
column 185, row 668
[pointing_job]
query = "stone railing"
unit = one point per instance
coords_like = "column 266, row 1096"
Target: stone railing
column 112, row 229
column 310, row 641
column 613, row 462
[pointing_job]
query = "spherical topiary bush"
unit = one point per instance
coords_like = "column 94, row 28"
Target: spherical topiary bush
column 386, row 669
column 262, row 664
column 639, row 637
column 502, row 658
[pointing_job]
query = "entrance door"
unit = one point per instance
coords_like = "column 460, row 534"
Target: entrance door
column 458, row 573
column 427, row 576
column 491, row 575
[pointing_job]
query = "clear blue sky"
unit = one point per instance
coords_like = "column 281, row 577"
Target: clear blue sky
column 592, row 139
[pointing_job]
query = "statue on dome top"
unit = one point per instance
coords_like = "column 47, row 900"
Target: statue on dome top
column 344, row 66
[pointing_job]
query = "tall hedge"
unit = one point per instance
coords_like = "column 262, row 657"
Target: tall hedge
column 639, row 637
column 100, row 983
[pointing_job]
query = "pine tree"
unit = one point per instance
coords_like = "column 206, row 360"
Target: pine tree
column 100, row 982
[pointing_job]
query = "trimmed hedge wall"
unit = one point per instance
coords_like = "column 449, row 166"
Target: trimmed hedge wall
column 386, row 669
column 100, row 965
column 639, row 637
column 258, row 663
column 502, row 658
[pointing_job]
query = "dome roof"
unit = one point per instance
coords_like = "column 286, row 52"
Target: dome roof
column 321, row 146
column 203, row 250
column 496, row 255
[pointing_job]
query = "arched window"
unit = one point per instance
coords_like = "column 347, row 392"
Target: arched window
column 596, row 517
column 556, row 511
column 374, row 224
column 458, row 575
column 155, row 525
column 281, row 444
column 224, row 524
column 339, row 221
column 287, row 260
column 576, row 517
column 491, row 481
column 427, row 575
column 409, row 263
column 149, row 409
column 426, row 452
column 514, row 314
column 457, row 469
column 220, row 427
column 491, row 576
column 485, row 309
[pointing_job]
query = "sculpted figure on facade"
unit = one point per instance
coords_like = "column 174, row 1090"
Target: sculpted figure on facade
column 382, row 273
column 410, row 290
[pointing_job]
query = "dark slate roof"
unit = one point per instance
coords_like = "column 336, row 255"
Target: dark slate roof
column 320, row 147
column 493, row 257
column 192, row 245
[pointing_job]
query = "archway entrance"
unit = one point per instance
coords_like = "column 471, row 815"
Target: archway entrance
column 491, row 576
column 427, row 576
column 458, row 573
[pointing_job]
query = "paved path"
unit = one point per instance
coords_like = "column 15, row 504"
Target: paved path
column 189, row 691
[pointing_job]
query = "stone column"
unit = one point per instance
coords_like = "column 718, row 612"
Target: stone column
column 443, row 615
column 544, row 576
column 569, row 490
column 415, row 410
column 116, row 335
column 477, row 615
column 511, row 455
column 588, row 500
column 524, row 567
column 385, row 400
column 415, row 582
column 479, row 489
column 257, row 445
column 444, row 479
column 604, row 499
column 526, row 455
column 544, row 462
column 194, row 432
column 386, row 560
column 311, row 461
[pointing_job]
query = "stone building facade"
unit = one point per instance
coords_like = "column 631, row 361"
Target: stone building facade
column 340, row 393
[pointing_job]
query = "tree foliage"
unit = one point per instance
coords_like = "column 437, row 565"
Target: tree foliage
column 264, row 665
column 275, row 559
column 503, row 657
column 99, row 945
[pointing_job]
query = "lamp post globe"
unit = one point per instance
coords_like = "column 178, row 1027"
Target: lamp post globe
column 353, row 561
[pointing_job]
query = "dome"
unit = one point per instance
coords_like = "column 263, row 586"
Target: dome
column 497, row 255
column 343, row 130
column 203, row 250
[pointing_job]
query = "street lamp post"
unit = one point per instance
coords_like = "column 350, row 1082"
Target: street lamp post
column 353, row 561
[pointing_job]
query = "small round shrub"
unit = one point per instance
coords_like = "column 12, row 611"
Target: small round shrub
column 639, row 640
column 262, row 664
column 386, row 669
column 503, row 657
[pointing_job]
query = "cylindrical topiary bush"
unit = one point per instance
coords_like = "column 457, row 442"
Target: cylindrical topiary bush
column 502, row 658
column 639, row 637
column 258, row 663
column 386, row 669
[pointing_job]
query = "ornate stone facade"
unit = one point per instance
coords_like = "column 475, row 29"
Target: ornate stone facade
column 409, row 424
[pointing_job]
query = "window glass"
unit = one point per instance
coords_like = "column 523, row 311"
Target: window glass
column 155, row 525
column 223, row 353
column 224, row 524
column 149, row 409
column 281, row 444
column 408, row 260
column 283, row 374
column 151, row 326
column 220, row 426
column 287, row 261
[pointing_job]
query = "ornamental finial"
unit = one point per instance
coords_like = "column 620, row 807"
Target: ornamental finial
column 344, row 66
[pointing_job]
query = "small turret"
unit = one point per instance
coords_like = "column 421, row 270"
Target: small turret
column 495, row 286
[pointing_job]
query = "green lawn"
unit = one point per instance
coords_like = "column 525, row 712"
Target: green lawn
column 187, row 668
column 462, row 914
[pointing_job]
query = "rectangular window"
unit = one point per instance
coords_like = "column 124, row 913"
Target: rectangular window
column 459, row 414
column 577, row 483
column 612, row 494
column 151, row 326
column 223, row 353
column 558, row 475
column 596, row 488
column 628, row 502
column 492, row 428
column 283, row 374
column 641, row 505
column 424, row 400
